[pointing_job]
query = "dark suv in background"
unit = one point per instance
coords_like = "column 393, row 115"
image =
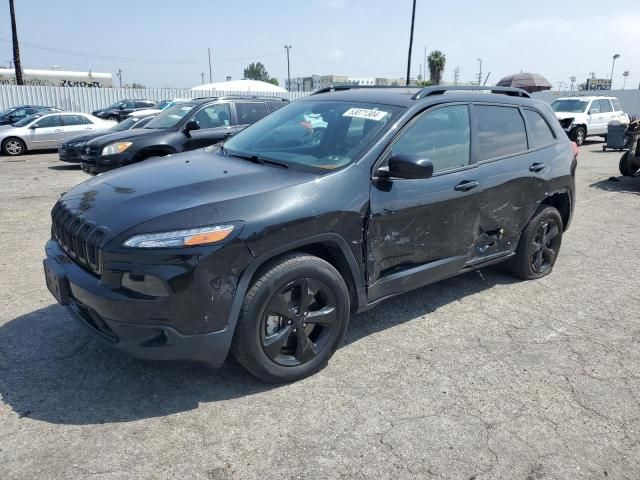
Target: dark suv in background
column 119, row 110
column 185, row 126
column 265, row 246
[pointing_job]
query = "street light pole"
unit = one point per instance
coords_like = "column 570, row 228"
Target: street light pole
column 119, row 74
column 480, row 72
column 413, row 20
column 613, row 64
column 625, row 74
column 287, row 48
column 210, row 71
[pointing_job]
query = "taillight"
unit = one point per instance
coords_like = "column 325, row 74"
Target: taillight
column 575, row 149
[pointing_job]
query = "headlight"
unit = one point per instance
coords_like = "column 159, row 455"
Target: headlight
column 115, row 148
column 180, row 238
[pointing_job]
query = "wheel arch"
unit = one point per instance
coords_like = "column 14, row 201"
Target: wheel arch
column 561, row 200
column 330, row 247
column 153, row 150
column 14, row 137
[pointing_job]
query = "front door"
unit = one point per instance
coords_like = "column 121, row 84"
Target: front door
column 48, row 134
column 598, row 119
column 420, row 231
column 215, row 126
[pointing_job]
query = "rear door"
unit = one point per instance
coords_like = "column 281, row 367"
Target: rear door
column 248, row 113
column 75, row 125
column 513, row 169
column 49, row 134
column 597, row 121
column 607, row 112
column 215, row 126
column 421, row 230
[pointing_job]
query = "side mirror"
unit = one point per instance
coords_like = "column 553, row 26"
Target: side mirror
column 405, row 165
column 191, row 125
column 34, row 126
column 121, row 107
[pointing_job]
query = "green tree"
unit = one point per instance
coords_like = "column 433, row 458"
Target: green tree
column 274, row 81
column 256, row 71
column 436, row 61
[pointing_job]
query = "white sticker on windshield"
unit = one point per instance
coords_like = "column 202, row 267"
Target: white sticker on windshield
column 365, row 113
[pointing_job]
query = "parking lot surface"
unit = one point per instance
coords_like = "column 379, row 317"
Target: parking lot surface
column 477, row 377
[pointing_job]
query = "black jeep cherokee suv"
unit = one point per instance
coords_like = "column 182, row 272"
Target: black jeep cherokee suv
column 185, row 126
column 265, row 246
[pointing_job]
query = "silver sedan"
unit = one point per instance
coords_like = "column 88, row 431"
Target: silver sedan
column 42, row 131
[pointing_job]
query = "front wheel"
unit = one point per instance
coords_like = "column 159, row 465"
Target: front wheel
column 579, row 135
column 293, row 318
column 539, row 245
column 13, row 147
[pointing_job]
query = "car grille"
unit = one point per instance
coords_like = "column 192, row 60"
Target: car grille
column 80, row 239
column 91, row 150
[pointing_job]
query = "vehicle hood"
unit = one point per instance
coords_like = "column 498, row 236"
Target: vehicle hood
column 8, row 130
column 87, row 137
column 563, row 115
column 124, row 136
column 189, row 189
column 144, row 113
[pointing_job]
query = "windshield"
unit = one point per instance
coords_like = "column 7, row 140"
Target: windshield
column 5, row 112
column 571, row 106
column 114, row 105
column 170, row 117
column 27, row 120
column 317, row 134
column 126, row 124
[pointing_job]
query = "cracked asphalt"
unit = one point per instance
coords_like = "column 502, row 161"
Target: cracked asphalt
column 477, row 377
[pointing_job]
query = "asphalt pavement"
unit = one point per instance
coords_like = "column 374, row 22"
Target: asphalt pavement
column 477, row 377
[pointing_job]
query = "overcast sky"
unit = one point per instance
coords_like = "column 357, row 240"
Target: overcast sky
column 164, row 44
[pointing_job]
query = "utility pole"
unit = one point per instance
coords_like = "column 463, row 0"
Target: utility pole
column 16, row 48
column 202, row 78
column 413, row 20
column 560, row 85
column 287, row 48
column 573, row 80
column 210, row 71
column 613, row 64
column 424, row 77
column 480, row 72
column 119, row 75
column 456, row 75
column 625, row 74
column 420, row 74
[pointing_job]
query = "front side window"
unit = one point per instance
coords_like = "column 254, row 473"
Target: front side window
column 75, row 120
column 605, row 106
column 129, row 105
column 19, row 114
column 500, row 131
column 213, row 116
column 595, row 107
column 442, row 136
column 50, row 121
column 540, row 134
column 249, row 113
column 316, row 135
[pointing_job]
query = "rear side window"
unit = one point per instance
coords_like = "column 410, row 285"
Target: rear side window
column 540, row 133
column 276, row 105
column 249, row 113
column 616, row 105
column 441, row 135
column 605, row 106
column 76, row 120
column 500, row 131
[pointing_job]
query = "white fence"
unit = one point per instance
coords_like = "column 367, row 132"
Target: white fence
column 90, row 99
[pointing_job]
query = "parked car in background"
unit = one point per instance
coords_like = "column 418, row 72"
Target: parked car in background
column 265, row 250
column 69, row 151
column 583, row 117
column 15, row 114
column 48, row 130
column 119, row 110
column 185, row 126
column 158, row 107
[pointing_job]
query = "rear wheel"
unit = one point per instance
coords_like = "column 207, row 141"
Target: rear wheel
column 539, row 245
column 113, row 118
column 13, row 146
column 293, row 318
column 627, row 167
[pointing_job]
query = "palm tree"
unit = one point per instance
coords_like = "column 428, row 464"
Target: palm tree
column 436, row 61
column 16, row 50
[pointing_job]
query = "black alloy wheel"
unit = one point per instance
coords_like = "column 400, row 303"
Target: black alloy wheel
column 545, row 245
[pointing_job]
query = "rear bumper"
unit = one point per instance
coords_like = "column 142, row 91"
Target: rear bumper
column 141, row 327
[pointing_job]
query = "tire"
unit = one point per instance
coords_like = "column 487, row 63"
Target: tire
column 13, row 146
column 113, row 117
column 579, row 135
column 539, row 245
column 283, row 335
column 623, row 166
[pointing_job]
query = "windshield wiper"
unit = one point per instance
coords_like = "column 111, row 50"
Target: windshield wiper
column 252, row 157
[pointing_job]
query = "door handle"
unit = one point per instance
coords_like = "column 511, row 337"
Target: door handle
column 466, row 185
column 537, row 167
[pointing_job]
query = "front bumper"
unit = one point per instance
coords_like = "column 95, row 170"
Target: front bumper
column 143, row 327
column 100, row 163
column 69, row 154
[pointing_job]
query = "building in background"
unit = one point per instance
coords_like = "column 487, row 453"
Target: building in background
column 57, row 78
column 315, row 82
column 598, row 84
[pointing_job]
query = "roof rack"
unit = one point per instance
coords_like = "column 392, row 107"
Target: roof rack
column 348, row 86
column 439, row 90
